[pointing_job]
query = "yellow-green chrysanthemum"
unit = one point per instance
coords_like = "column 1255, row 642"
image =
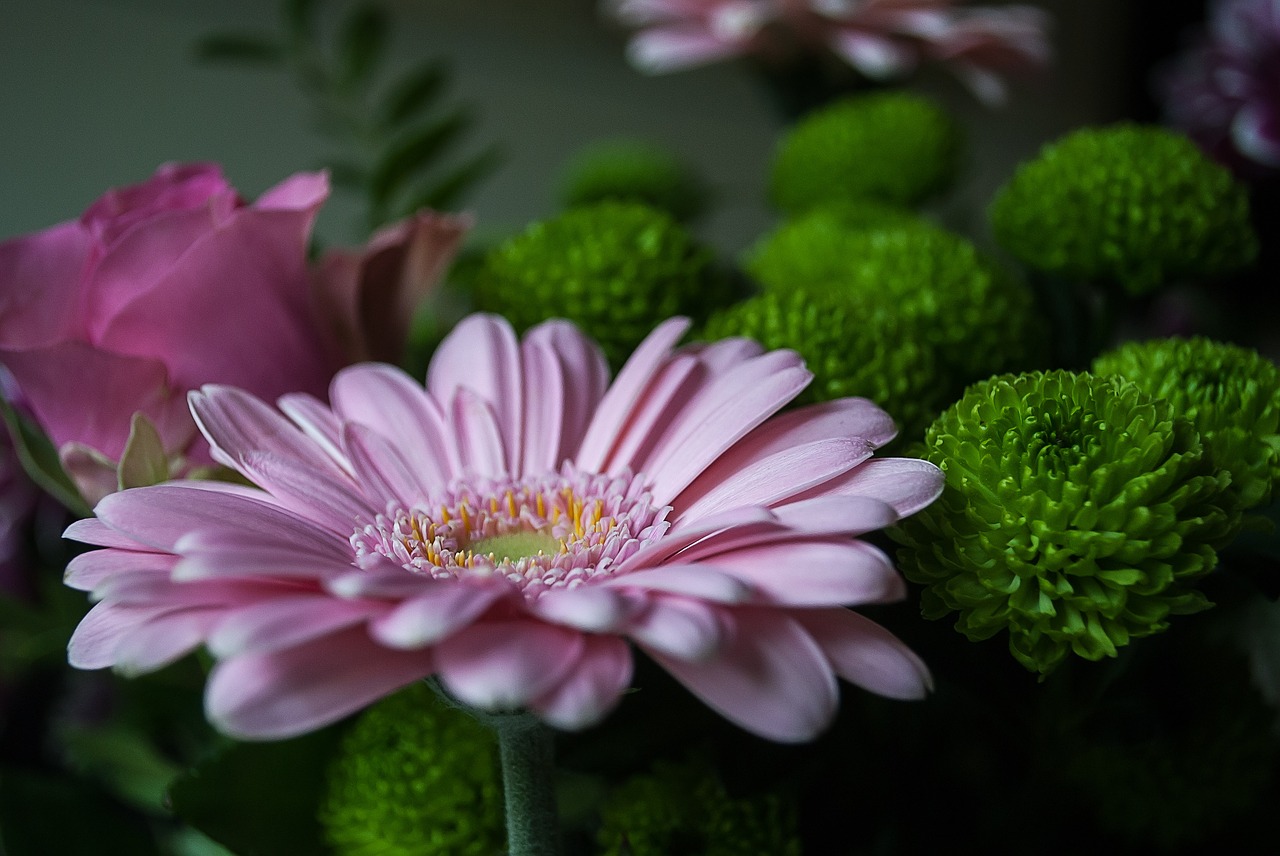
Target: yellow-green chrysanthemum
column 1138, row 206
column 1078, row 513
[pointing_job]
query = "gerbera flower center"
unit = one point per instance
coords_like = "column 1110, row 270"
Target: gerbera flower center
column 546, row 532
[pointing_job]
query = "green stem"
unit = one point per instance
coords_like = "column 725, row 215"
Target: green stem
column 528, row 766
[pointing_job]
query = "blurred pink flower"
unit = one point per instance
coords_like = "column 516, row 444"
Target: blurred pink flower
column 368, row 296
column 882, row 39
column 1225, row 92
column 158, row 288
column 509, row 529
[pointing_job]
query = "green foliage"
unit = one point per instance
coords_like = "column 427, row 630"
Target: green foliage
column 889, row 147
column 414, row 776
column 616, row 269
column 685, row 810
column 1231, row 395
column 1132, row 205
column 40, row 459
column 260, row 799
column 975, row 318
column 852, row 345
column 397, row 140
column 1078, row 513
column 633, row 171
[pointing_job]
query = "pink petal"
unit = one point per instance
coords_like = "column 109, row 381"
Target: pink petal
column 159, row 516
column 735, row 521
column 688, row 630
column 481, row 354
column 479, row 436
column 586, row 378
column 739, row 401
column 690, row 580
column 94, row 643
column 544, row 403
column 236, row 424
column 379, row 469
column 592, row 689
column 504, row 665
column 592, row 609
column 91, row 530
column 302, row 191
column 163, row 639
column 770, row 677
column 284, row 622
column 907, row 484
column 323, row 499
column 661, row 50
column 387, row 400
column 42, row 275
column 211, row 555
column 285, row 693
column 615, row 407
column 316, row 421
column 786, row 475
column 433, row 614
column 846, row 418
column 815, row 573
column 866, row 654
column 89, row 570
column 82, row 394
column 670, row 390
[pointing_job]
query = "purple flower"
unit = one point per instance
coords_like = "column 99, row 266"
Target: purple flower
column 1225, row 91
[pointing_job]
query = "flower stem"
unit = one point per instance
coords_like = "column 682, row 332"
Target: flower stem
column 528, row 764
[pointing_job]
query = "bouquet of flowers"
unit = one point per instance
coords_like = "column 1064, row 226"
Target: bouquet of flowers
column 565, row 542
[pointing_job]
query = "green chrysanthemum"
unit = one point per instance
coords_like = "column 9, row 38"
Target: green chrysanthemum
column 684, row 810
column 1135, row 205
column 852, row 346
column 975, row 316
column 888, row 147
column 812, row 247
column 415, row 777
column 1078, row 513
column 633, row 171
column 1231, row 395
column 615, row 269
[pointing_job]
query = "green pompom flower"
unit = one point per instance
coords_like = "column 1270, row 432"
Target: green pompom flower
column 852, row 346
column 889, row 147
column 1078, row 513
column 633, row 171
column 684, row 810
column 976, row 318
column 1138, row 206
column 414, row 776
column 1231, row 395
column 615, row 269
column 811, row 248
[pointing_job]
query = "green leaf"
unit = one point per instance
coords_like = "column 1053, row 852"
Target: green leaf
column 412, row 153
column 143, row 462
column 260, row 799
column 124, row 760
column 444, row 193
column 42, row 814
column 40, row 459
column 413, row 93
column 361, row 43
column 247, row 48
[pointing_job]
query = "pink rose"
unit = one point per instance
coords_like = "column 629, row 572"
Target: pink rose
column 157, row 289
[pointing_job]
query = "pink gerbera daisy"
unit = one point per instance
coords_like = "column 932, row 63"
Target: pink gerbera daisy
column 509, row 529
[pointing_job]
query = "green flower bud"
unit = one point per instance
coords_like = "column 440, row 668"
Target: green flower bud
column 1078, row 513
column 852, row 346
column 1231, row 395
column 1138, row 206
column 684, row 810
column 633, row 171
column 975, row 316
column 615, row 269
column 414, row 776
column 889, row 147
